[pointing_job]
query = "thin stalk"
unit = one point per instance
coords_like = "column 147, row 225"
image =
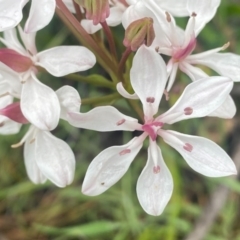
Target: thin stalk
column 110, row 39
column 99, row 100
column 87, row 40
column 123, row 60
column 134, row 105
column 79, row 15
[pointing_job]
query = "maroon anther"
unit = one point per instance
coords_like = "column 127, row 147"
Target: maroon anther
column 156, row 169
column 125, row 151
column 188, row 111
column 150, row 99
column 188, row 147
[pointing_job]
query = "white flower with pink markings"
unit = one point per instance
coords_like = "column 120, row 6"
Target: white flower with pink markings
column 155, row 185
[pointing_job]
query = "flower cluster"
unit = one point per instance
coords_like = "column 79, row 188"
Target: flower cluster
column 151, row 32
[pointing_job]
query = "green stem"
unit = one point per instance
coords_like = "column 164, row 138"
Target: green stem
column 92, row 79
column 99, row 100
column 135, row 106
column 123, row 60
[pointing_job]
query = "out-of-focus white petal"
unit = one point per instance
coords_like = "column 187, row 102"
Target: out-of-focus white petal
column 124, row 93
column 33, row 171
column 40, row 104
column 226, row 110
column 10, row 36
column 225, row 64
column 70, row 5
column 115, row 17
column 205, row 11
column 193, row 72
column 199, row 99
column 148, row 78
column 109, row 166
column 11, row 13
column 41, row 13
column 155, row 184
column 60, row 61
column 7, row 126
column 103, row 119
column 89, row 26
column 28, row 40
column 203, row 155
column 54, row 158
column 69, row 99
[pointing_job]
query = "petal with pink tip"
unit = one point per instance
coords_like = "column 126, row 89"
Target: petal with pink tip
column 32, row 168
column 148, row 78
column 227, row 110
column 54, row 158
column 11, row 13
column 69, row 99
column 205, row 11
column 41, row 13
column 60, row 61
column 199, row 99
column 103, row 119
column 40, row 104
column 109, row 166
column 155, row 184
column 202, row 155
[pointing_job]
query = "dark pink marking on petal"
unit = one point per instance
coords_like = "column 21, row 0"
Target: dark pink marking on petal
column 13, row 111
column 125, row 151
column 188, row 147
column 156, row 169
column 15, row 60
column 188, row 111
column 121, row 122
column 150, row 99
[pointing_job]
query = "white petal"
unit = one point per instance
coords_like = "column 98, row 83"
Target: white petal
column 148, row 78
column 69, row 4
column 103, row 119
column 109, row 166
column 124, row 93
column 155, row 184
column 225, row 64
column 90, row 27
column 115, row 17
column 33, row 171
column 60, row 61
column 226, row 110
column 199, row 99
column 7, row 126
column 69, row 99
column 11, row 13
column 41, row 13
column 55, row 159
column 205, row 11
column 40, row 104
column 203, row 155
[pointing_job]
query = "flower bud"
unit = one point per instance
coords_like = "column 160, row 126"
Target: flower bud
column 15, row 60
column 139, row 32
column 96, row 10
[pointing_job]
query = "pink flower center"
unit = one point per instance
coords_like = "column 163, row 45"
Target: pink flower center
column 152, row 128
column 182, row 53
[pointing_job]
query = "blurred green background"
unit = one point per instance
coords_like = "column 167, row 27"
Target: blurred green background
column 41, row 212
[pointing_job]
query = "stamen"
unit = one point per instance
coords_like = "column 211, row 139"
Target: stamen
column 168, row 17
column 156, row 169
column 17, row 145
column 150, row 99
column 121, row 122
column 226, row 45
column 188, row 147
column 32, row 141
column 125, row 151
column 4, row 94
column 188, row 111
column 166, row 95
column 194, row 14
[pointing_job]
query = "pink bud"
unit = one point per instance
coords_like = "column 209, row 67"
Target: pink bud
column 13, row 111
column 15, row 60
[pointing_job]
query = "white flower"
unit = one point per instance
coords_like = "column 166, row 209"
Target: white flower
column 39, row 103
column 154, row 188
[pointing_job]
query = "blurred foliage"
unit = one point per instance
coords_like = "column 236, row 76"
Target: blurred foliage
column 29, row 211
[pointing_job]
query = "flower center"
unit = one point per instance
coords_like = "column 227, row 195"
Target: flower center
column 152, row 128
